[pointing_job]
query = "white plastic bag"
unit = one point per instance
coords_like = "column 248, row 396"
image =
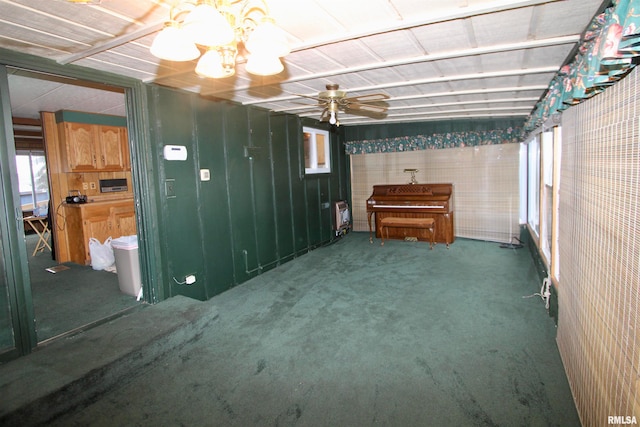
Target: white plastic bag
column 101, row 254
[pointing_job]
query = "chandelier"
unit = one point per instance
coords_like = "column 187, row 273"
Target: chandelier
column 219, row 27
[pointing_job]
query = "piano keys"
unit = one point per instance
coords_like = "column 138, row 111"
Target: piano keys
column 413, row 201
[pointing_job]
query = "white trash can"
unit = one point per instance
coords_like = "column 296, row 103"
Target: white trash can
column 125, row 251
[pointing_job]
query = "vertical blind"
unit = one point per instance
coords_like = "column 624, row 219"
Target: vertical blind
column 599, row 243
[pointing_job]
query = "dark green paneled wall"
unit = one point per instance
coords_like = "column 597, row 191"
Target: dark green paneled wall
column 181, row 204
column 257, row 211
column 282, row 186
column 214, row 198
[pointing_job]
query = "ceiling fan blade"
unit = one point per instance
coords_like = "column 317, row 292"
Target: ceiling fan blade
column 325, row 116
column 370, row 108
column 308, row 105
column 368, row 98
column 315, row 98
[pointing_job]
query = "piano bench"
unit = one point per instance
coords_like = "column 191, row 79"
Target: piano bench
column 391, row 221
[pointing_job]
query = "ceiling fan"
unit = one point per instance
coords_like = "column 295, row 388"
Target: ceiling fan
column 333, row 100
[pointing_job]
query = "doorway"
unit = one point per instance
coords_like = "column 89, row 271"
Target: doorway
column 67, row 295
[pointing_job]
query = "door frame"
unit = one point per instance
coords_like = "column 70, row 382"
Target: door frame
column 14, row 251
column 142, row 161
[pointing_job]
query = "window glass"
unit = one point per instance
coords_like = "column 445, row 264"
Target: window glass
column 533, row 211
column 317, row 152
column 547, row 194
column 33, row 183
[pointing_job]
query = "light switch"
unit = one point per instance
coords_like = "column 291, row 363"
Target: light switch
column 205, row 175
column 169, row 188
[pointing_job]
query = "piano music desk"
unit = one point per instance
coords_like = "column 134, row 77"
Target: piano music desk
column 390, row 221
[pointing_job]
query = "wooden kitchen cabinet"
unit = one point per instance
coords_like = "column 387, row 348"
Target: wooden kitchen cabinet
column 90, row 147
column 100, row 220
column 113, row 148
column 124, row 220
column 78, row 146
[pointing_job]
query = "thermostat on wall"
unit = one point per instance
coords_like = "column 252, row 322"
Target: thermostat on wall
column 175, row 152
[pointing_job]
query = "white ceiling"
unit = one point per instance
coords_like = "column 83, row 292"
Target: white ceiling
column 436, row 60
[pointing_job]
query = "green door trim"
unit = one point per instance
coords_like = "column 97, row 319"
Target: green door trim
column 14, row 251
column 145, row 189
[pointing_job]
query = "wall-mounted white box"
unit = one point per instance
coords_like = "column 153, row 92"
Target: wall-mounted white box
column 174, row 152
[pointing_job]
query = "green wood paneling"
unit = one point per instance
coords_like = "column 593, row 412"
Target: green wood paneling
column 282, row 185
column 314, row 219
column 181, row 216
column 263, row 191
column 243, row 232
column 298, row 197
column 324, row 188
column 214, row 200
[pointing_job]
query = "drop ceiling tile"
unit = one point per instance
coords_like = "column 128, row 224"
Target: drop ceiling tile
column 512, row 25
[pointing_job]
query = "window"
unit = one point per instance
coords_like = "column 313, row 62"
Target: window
column 33, row 183
column 543, row 183
column 533, row 208
column 546, row 197
column 317, row 152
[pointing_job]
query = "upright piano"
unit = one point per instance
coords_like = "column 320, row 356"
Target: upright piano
column 413, row 201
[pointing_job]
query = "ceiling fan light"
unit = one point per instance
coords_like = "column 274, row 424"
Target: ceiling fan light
column 171, row 44
column 207, row 27
column 210, row 65
column 267, row 38
column 264, row 65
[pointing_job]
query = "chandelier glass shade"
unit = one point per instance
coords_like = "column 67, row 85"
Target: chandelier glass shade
column 172, row 44
column 220, row 28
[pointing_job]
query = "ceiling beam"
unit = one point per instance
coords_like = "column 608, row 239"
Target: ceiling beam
column 423, row 96
column 115, row 42
column 529, row 44
column 493, row 74
column 431, row 18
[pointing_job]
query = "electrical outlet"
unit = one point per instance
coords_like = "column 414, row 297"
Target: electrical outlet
column 85, row 186
column 190, row 279
column 92, row 185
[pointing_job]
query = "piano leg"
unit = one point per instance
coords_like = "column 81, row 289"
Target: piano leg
column 369, row 214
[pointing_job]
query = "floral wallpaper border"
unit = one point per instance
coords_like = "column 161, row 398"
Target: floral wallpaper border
column 435, row 141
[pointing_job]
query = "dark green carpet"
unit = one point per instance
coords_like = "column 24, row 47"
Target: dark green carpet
column 356, row 334
column 73, row 298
